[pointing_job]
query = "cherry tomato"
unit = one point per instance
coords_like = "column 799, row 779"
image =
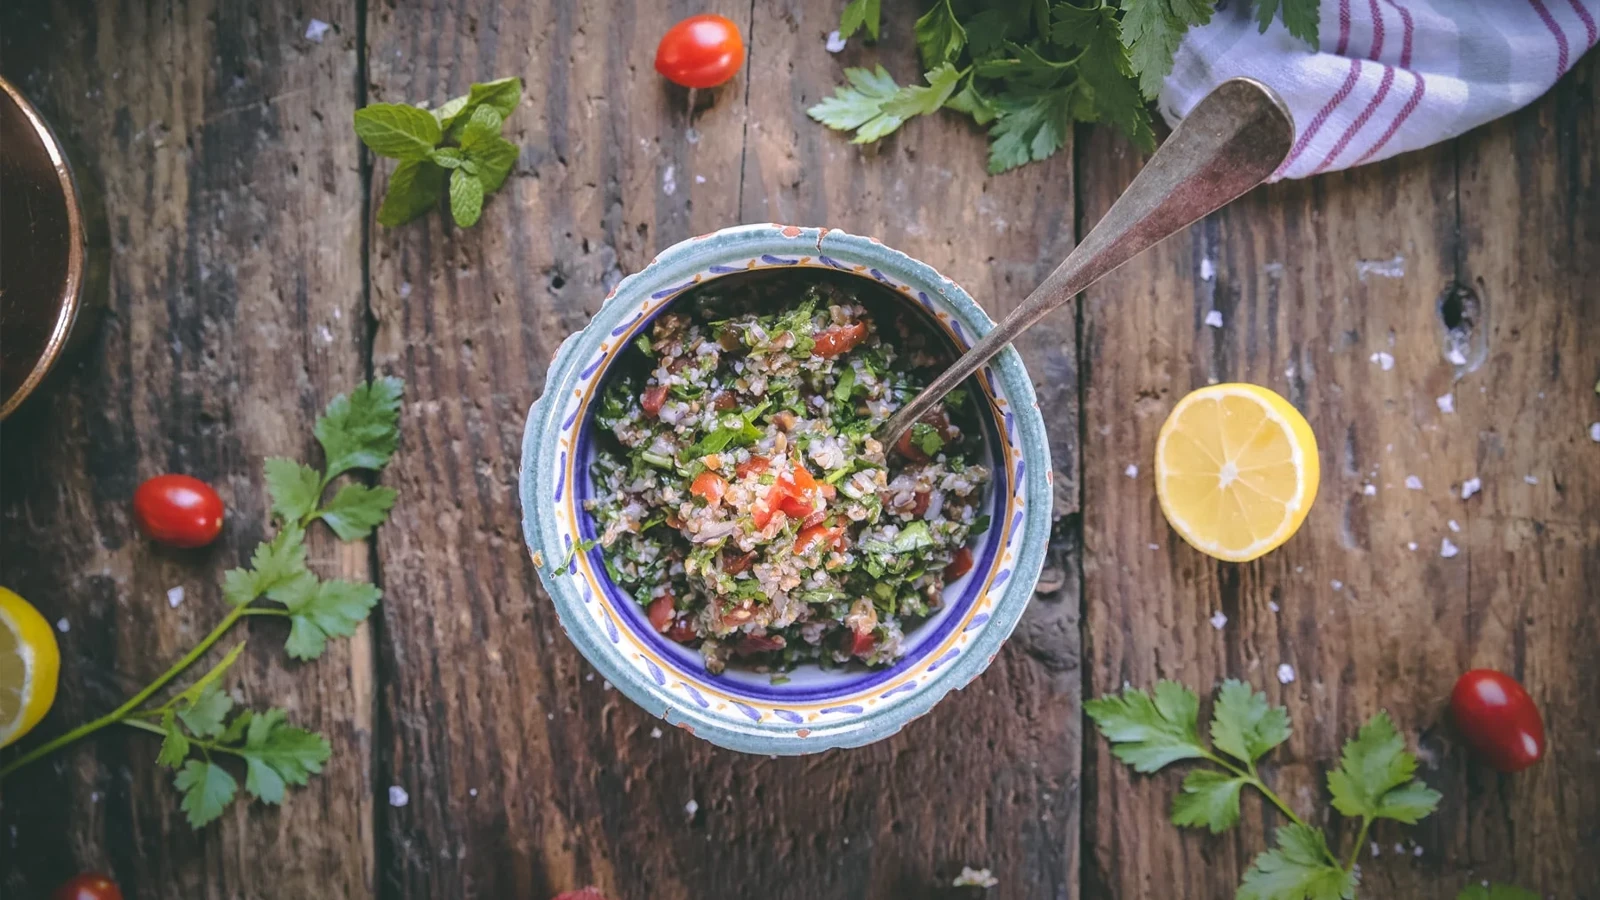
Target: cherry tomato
column 756, row 464
column 652, row 400
column 1498, row 719
column 960, row 565
column 709, row 485
column 88, row 886
column 178, row 510
column 839, row 339
column 857, row 643
column 660, row 612
column 700, row 52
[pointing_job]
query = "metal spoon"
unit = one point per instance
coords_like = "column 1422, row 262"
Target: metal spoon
column 1233, row 139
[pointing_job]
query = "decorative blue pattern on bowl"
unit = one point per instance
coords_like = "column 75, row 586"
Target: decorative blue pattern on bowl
column 816, row 710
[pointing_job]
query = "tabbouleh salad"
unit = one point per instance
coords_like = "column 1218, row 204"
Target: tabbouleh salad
column 745, row 504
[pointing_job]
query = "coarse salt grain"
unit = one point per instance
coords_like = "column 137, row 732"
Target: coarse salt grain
column 655, row 733
column 589, row 677
column 315, row 29
column 1208, row 269
column 1218, row 619
column 1530, row 479
column 1132, row 471
column 691, row 808
column 63, row 626
column 1448, row 549
column 1374, row 848
column 1447, row 403
column 1214, row 318
column 175, row 596
column 472, row 792
column 1454, row 525
column 1456, row 357
column 971, row 877
column 1285, row 673
column 1155, row 546
column 1337, row 584
column 1371, row 490
column 1273, row 605
column 1413, row 483
column 1383, row 359
column 1594, row 432
column 1411, row 545
column 835, row 42
column 398, row 795
column 1416, row 851
column 1398, row 848
column 1470, row 486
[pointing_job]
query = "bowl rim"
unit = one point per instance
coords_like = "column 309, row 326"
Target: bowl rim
column 545, row 463
column 71, row 299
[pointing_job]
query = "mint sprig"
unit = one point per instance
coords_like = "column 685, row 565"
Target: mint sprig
column 473, row 166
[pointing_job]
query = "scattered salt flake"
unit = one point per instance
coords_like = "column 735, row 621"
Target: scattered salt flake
column 550, row 716
column 605, row 685
column 1383, row 268
column 1214, row 318
column 1208, row 270
column 971, row 877
column 405, row 289
column 1371, row 490
column 699, row 179
column 691, row 808
column 1218, row 619
column 655, row 733
column 1273, row 605
column 398, row 795
column 325, row 334
column 1456, row 357
column 1411, row 545
column 589, row 677
column 1398, row 848
column 1448, row 549
column 1470, row 486
column 315, row 29
column 1155, row 546
column 1454, row 525
column 669, row 181
column 1447, row 403
column 1132, row 471
column 1531, row 479
column 835, row 42
column 1337, row 584
column 472, row 792
column 1413, row 483
column 1594, row 432
column 1384, row 360
column 175, row 596
column 63, row 626
column 1285, row 673
column 94, row 796
column 1416, row 851
column 1374, row 848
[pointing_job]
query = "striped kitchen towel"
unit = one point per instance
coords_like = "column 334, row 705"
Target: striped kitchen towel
column 1389, row 75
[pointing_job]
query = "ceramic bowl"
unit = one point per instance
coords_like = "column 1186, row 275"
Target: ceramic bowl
column 816, row 709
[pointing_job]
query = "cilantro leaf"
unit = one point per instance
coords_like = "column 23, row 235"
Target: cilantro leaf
column 192, row 694
column 1496, row 892
column 1299, row 868
column 295, row 488
column 939, row 36
column 325, row 609
column 414, row 188
column 483, row 126
column 858, row 13
column 204, row 715
column 207, row 789
column 1149, row 732
column 174, row 745
column 1032, row 125
column 859, row 105
column 919, row 100
column 1209, row 799
column 361, row 431
column 398, row 131
column 1299, row 16
column 274, row 563
column 277, row 753
column 356, row 509
column 1152, row 31
column 1374, row 778
column 1243, row 725
column 495, row 160
column 466, row 198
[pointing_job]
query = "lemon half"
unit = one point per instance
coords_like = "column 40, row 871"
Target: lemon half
column 1236, row 470
column 29, row 664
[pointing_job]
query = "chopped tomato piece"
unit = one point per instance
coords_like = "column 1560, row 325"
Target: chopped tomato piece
column 756, row 464
column 919, row 504
column 813, row 537
column 660, row 612
column 940, row 423
column 735, row 565
column 960, row 565
column 839, row 339
column 857, row 643
column 682, row 630
column 709, row 485
column 758, row 643
column 652, row 400
column 803, row 495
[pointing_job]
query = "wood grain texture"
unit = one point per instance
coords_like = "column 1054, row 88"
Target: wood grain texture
column 232, row 180
column 1314, row 279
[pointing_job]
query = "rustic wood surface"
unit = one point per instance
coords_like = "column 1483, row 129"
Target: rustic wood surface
column 249, row 285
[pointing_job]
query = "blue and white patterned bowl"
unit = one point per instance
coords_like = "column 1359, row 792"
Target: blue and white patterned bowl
column 815, row 710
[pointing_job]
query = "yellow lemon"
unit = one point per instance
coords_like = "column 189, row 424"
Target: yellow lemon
column 1236, row 470
column 29, row 663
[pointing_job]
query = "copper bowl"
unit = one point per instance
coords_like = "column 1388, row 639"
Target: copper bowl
column 45, row 264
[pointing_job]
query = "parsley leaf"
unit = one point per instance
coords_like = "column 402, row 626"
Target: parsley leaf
column 858, row 13
column 859, row 105
column 1297, row 869
column 357, row 509
column 1496, row 892
column 1374, row 778
column 295, row 488
column 939, row 36
column 361, row 431
column 1032, row 125
column 1152, row 30
column 207, row 788
column 1299, row 16
column 204, row 715
column 1210, row 799
column 1104, row 68
column 1149, row 732
column 926, row 438
column 919, row 100
column 323, row 609
column 277, row 753
column 1243, row 725
column 275, row 563
column 398, row 131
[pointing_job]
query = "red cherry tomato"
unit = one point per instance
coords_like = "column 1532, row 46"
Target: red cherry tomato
column 660, row 612
column 709, row 485
column 178, row 510
column 1498, row 719
column 700, row 52
column 88, row 886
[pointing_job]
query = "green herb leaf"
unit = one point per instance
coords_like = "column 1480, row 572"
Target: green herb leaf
column 1209, row 799
column 481, row 128
column 448, row 157
column 275, row 563
column 970, row 101
column 398, row 131
column 1152, row 31
column 1496, row 892
column 1149, row 732
column 1032, row 125
column 295, row 488
column 939, row 36
column 277, row 753
column 1374, row 778
column 175, row 745
column 357, row 509
column 191, row 694
column 1243, row 725
column 1298, row 869
column 845, row 386
column 495, row 160
column 926, row 438
column 501, row 95
column 979, row 525
column 858, row 13
column 466, row 198
column 414, row 188
column 921, row 100
column 325, row 609
column 361, row 431
column 1104, row 68
column 204, row 715
column 859, row 105
column 1299, row 16
column 207, row 789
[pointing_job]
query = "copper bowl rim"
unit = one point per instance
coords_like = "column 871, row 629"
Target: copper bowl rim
column 71, row 299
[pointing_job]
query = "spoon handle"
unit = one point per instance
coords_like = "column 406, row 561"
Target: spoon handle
column 1235, row 137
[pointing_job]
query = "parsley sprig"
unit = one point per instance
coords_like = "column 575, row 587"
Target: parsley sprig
column 1375, row 779
column 475, row 165
column 1028, row 70
column 199, row 725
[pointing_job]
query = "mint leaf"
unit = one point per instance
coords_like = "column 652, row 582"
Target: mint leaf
column 207, row 789
column 361, row 431
column 481, row 128
column 1299, row 16
column 204, row 715
column 495, row 160
column 859, row 105
column 1298, row 869
column 447, row 158
column 939, row 36
column 398, row 131
column 1374, row 778
column 858, row 13
column 357, row 509
column 919, row 100
column 276, row 754
column 1496, row 892
column 1152, row 30
column 414, row 188
column 1032, row 125
column 174, row 745
column 274, row 563
column 295, row 488
column 323, row 610
column 1243, row 725
column 1149, row 732
column 466, row 198
column 501, row 95
column 1209, row 799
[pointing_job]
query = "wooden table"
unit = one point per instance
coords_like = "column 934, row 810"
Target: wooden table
column 249, row 285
